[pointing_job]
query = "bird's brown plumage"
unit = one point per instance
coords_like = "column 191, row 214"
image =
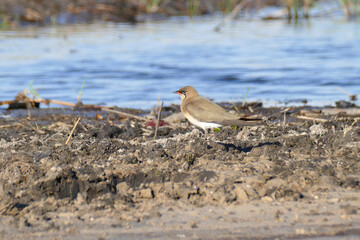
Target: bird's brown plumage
column 195, row 107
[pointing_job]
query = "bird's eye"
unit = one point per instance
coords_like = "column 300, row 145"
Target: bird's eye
column 183, row 92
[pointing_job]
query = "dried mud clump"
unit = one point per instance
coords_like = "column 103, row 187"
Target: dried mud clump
column 115, row 169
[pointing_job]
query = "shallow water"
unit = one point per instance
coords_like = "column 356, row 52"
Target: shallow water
column 131, row 65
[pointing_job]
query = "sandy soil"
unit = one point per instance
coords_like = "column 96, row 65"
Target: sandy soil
column 298, row 179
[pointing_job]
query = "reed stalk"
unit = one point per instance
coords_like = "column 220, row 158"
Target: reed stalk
column 307, row 5
column 192, row 7
column 294, row 7
column 152, row 5
column 4, row 21
column 227, row 6
column 346, row 7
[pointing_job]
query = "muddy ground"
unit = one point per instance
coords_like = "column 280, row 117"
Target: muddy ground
column 293, row 179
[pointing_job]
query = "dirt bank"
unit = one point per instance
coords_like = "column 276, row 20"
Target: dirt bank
column 287, row 179
column 72, row 11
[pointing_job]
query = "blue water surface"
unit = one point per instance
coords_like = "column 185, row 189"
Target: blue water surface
column 131, row 65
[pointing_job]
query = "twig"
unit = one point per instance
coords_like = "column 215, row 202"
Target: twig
column 285, row 112
column 35, row 129
column 127, row 115
column 83, row 127
column 353, row 97
column 349, row 111
column 251, row 109
column 158, row 120
column 313, row 119
column 29, row 114
column 72, row 131
column 232, row 15
column 6, row 102
column 47, row 101
column 157, row 103
column 356, row 120
column 240, row 135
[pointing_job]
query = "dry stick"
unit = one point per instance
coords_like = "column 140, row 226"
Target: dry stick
column 35, row 129
column 72, row 131
column 356, row 120
column 157, row 103
column 58, row 102
column 348, row 111
column 285, row 111
column 158, row 120
column 313, row 119
column 241, row 134
column 232, row 15
column 83, row 127
column 352, row 97
column 6, row 102
column 127, row 115
column 29, row 115
column 157, row 106
column 47, row 101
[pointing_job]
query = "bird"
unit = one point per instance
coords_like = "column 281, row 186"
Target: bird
column 206, row 114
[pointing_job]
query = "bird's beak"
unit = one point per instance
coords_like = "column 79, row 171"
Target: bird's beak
column 177, row 92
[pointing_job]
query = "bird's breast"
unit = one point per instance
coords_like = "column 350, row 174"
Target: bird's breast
column 203, row 125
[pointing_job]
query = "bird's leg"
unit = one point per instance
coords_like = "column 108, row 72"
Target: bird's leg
column 206, row 133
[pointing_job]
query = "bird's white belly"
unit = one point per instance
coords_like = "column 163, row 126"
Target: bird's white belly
column 203, row 125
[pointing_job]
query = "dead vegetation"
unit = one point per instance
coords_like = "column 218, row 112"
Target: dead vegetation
column 14, row 13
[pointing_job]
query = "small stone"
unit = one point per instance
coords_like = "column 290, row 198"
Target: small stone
column 266, row 199
column 326, row 181
column 317, row 129
column 144, row 193
column 241, row 194
column 122, row 188
column 194, row 224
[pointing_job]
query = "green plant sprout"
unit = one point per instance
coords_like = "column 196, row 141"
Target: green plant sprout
column 246, row 95
column 32, row 91
column 81, row 91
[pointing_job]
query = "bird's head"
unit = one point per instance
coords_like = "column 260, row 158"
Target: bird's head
column 187, row 92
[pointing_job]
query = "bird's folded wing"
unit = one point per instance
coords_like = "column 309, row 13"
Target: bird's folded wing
column 206, row 111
